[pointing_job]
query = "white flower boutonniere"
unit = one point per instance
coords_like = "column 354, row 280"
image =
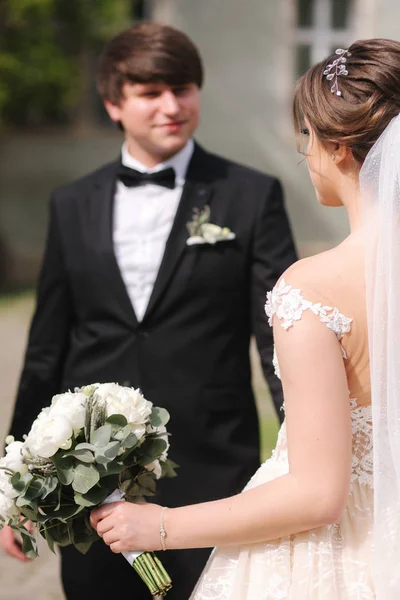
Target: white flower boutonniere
column 203, row 232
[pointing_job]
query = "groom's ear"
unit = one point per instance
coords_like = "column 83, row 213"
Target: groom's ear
column 114, row 111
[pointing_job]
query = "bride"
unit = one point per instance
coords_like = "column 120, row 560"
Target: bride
column 305, row 527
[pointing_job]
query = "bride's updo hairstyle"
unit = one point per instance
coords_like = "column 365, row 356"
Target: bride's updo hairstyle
column 369, row 96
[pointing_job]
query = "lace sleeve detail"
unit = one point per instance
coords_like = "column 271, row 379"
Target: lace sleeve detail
column 288, row 304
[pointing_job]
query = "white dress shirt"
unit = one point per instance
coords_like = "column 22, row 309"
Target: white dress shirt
column 142, row 221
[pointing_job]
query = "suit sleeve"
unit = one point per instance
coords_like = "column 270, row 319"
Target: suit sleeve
column 48, row 337
column 273, row 252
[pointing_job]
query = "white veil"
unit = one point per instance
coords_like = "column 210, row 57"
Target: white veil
column 380, row 193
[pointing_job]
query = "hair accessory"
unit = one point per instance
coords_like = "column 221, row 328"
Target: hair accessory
column 163, row 533
column 336, row 68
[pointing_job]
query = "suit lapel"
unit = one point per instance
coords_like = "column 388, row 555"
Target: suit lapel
column 196, row 194
column 101, row 205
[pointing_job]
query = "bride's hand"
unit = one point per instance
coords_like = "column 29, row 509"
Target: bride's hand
column 10, row 545
column 125, row 526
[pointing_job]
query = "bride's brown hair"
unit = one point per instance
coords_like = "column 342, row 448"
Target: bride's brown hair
column 370, row 97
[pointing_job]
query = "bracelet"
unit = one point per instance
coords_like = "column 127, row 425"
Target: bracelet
column 163, row 533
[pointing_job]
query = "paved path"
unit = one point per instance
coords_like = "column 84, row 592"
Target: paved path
column 40, row 578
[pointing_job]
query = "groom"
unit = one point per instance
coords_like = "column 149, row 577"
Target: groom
column 124, row 297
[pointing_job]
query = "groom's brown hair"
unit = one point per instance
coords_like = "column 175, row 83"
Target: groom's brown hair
column 147, row 53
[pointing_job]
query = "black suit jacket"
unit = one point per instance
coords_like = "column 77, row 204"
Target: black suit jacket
column 190, row 353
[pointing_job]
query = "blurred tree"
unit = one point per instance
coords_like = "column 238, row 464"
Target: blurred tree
column 48, row 51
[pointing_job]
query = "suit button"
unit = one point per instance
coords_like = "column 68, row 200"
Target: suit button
column 143, row 334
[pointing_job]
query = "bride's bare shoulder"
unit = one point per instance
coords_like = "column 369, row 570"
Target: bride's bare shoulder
column 328, row 274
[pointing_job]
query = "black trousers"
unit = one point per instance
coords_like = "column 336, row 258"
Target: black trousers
column 102, row 575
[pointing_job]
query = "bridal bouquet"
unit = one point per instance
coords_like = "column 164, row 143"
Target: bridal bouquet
column 101, row 443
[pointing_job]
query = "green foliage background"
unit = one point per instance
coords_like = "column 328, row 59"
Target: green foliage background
column 48, row 50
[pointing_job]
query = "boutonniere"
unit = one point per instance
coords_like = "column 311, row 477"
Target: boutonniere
column 203, row 232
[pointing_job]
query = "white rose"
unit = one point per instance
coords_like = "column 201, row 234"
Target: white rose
column 8, row 510
column 72, row 406
column 155, row 467
column 210, row 232
column 127, row 402
column 14, row 457
column 5, row 484
column 48, row 434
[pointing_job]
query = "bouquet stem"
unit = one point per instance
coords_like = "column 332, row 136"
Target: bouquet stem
column 146, row 564
column 152, row 573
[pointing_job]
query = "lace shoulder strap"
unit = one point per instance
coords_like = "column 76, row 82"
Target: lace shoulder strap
column 288, row 304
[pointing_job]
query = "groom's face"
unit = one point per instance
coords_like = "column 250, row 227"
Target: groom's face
column 158, row 118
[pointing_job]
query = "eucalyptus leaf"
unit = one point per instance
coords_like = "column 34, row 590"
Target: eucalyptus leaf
column 130, row 441
column 60, row 533
column 168, row 468
column 83, row 535
column 101, row 436
column 147, row 481
column 85, row 446
column 81, row 454
column 66, row 512
column 29, row 546
column 28, row 512
column 84, row 547
column 110, row 468
column 118, row 420
column 65, row 468
column 22, row 501
column 85, row 477
column 20, row 482
column 151, row 450
column 94, row 497
column 107, row 454
column 49, row 485
column 33, row 490
column 159, row 416
column 48, row 538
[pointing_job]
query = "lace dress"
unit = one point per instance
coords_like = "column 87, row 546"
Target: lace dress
column 329, row 563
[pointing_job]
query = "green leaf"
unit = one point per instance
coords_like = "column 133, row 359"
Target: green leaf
column 29, row 546
column 94, row 497
column 21, row 501
column 83, row 455
column 159, row 416
column 33, row 490
column 130, row 441
column 83, row 547
column 29, row 513
column 65, row 513
column 85, row 477
column 65, row 468
column 107, row 454
column 110, row 468
column 60, row 533
column 85, row 446
column 21, row 482
column 47, row 536
column 101, row 436
column 118, row 420
column 49, row 485
column 83, row 535
column 168, row 468
column 151, row 450
column 147, row 481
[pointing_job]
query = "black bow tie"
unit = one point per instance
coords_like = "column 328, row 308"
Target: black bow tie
column 132, row 178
